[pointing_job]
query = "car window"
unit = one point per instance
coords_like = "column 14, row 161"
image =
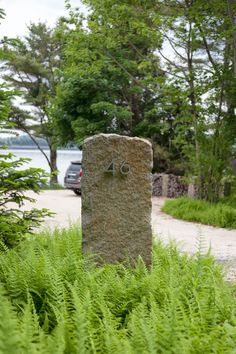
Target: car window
column 75, row 167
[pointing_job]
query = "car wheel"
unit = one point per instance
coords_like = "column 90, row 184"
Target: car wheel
column 77, row 191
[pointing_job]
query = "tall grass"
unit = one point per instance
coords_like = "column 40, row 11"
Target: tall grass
column 230, row 201
column 54, row 301
column 220, row 214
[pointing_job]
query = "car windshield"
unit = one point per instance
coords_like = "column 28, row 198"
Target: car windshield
column 75, row 167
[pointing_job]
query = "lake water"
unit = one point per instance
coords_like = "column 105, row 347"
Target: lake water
column 39, row 161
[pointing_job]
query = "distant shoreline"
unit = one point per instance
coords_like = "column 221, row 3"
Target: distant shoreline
column 26, row 147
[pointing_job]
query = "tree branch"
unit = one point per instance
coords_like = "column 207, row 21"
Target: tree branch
column 183, row 69
column 207, row 48
column 174, row 49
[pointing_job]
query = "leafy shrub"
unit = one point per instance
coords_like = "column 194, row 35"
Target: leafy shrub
column 14, row 182
column 218, row 214
column 54, row 301
column 230, row 201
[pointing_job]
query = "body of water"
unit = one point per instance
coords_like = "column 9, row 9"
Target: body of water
column 64, row 157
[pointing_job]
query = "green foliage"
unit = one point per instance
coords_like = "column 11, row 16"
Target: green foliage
column 32, row 68
column 220, row 214
column 111, row 71
column 119, row 77
column 14, row 182
column 9, row 327
column 230, row 201
column 55, row 301
column 15, row 222
column 5, row 93
column 203, row 80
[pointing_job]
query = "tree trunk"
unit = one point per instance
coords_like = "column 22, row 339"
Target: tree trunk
column 137, row 116
column 53, row 165
column 193, row 109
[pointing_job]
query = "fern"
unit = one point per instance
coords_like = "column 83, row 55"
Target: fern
column 9, row 327
column 55, row 301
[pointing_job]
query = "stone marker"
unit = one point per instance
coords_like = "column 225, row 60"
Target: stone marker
column 116, row 198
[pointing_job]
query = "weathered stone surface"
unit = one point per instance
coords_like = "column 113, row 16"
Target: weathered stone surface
column 169, row 186
column 177, row 186
column 116, row 198
column 157, row 179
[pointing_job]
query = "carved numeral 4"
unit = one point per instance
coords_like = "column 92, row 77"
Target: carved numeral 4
column 111, row 168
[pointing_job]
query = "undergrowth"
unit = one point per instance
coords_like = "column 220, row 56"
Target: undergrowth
column 54, row 301
column 221, row 214
column 230, row 201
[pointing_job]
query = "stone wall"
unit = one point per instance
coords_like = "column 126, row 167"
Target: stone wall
column 170, row 186
column 157, row 179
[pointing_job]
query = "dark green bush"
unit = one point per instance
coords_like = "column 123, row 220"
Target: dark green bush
column 15, row 223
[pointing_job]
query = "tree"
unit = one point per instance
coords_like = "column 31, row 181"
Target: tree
column 16, row 223
column 200, row 36
column 33, row 67
column 14, row 182
column 112, row 80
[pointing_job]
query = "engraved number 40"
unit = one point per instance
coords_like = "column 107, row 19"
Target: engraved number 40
column 124, row 168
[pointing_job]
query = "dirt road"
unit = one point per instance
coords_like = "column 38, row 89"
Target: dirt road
column 222, row 242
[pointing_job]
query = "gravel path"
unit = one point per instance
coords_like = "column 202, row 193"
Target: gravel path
column 222, row 242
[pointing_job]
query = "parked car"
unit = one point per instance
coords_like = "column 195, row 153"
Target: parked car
column 73, row 177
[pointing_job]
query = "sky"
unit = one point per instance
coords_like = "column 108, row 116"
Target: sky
column 20, row 13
